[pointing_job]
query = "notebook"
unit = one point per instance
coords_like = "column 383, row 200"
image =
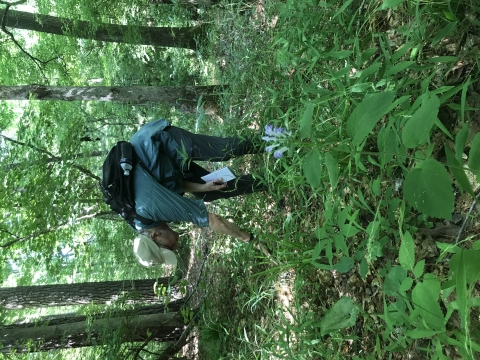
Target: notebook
column 225, row 173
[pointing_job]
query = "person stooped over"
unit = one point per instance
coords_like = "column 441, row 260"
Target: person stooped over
column 170, row 153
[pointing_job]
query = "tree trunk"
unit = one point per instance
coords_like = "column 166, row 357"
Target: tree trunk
column 183, row 96
column 155, row 36
column 83, row 293
column 74, row 332
column 67, row 318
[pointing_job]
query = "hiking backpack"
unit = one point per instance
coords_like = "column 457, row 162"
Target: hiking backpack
column 117, row 182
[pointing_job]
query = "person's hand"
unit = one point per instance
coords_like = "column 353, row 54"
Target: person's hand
column 214, row 185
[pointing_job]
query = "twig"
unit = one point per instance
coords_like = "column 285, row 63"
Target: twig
column 18, row 238
column 4, row 29
column 56, row 158
column 467, row 218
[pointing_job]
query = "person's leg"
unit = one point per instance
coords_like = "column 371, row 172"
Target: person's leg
column 212, row 148
column 245, row 184
column 225, row 227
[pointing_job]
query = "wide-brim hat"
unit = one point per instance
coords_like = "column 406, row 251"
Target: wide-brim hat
column 149, row 253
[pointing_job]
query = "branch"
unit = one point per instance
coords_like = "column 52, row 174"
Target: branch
column 56, row 158
column 29, row 146
column 4, row 29
column 18, row 238
column 96, row 215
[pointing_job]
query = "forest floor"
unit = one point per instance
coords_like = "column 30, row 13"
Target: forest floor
column 253, row 307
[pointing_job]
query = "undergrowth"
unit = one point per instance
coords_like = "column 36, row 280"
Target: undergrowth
column 375, row 102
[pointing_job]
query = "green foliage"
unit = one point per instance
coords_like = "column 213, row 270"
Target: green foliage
column 474, row 156
column 416, row 131
column 429, row 189
column 406, row 255
column 362, row 173
column 425, row 296
column 342, row 315
column 306, row 122
column 313, row 168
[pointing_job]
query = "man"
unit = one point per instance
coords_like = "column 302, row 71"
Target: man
column 169, row 153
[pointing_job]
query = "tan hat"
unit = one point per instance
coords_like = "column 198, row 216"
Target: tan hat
column 149, row 253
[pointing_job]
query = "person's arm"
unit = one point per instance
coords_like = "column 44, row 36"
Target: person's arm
column 225, row 227
column 215, row 185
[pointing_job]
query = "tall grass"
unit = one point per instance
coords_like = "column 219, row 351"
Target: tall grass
column 368, row 168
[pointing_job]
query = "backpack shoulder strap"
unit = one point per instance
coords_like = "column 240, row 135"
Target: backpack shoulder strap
column 144, row 220
column 168, row 178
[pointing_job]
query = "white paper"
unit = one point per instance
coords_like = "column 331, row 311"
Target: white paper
column 225, row 173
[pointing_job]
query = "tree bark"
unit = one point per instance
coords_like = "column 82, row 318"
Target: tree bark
column 83, row 293
column 155, row 36
column 186, row 96
column 67, row 318
column 76, row 332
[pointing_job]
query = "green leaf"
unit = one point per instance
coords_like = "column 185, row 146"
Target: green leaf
column 340, row 243
column 450, row 16
column 306, row 122
column 416, row 131
column 425, row 299
column 443, row 128
column 333, row 170
column 349, row 230
column 342, row 315
column 449, row 248
column 344, row 265
column 406, row 284
column 387, row 4
column 361, row 87
column 421, row 333
column 394, row 278
column 459, row 107
column 366, row 115
column 340, row 54
column 376, row 187
column 317, row 249
column 367, row 54
column 418, row 269
column 458, row 172
column 407, row 252
column 463, row 99
column 429, row 189
column 313, row 169
column 388, row 144
column 401, row 66
column 386, row 315
column 365, row 73
column 344, row 6
column 471, row 263
column 400, row 52
column 442, row 59
column 444, row 32
column 474, row 155
column 460, row 276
